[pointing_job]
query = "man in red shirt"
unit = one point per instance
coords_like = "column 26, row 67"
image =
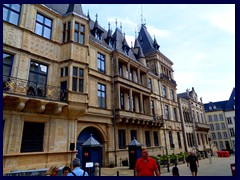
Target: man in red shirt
column 146, row 166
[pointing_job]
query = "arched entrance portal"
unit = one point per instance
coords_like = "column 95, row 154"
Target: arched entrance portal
column 85, row 135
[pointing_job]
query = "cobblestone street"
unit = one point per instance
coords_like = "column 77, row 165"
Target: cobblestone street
column 220, row 167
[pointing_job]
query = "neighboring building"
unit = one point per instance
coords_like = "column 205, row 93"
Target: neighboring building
column 230, row 117
column 221, row 118
column 194, row 124
column 65, row 78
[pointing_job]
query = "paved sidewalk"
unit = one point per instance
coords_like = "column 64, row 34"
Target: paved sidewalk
column 220, row 167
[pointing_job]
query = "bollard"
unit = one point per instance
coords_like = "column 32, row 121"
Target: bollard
column 96, row 169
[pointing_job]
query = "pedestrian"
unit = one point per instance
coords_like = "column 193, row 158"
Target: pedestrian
column 66, row 170
column 52, row 171
column 210, row 157
column 146, row 166
column 175, row 170
column 77, row 171
column 192, row 162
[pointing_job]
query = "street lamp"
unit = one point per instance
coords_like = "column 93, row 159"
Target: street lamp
column 164, row 131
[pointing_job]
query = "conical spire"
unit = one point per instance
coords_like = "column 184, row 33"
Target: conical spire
column 96, row 22
column 109, row 34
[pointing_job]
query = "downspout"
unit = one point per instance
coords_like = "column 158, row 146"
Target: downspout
column 114, row 113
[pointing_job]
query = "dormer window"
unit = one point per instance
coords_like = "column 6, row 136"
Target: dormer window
column 98, row 35
column 210, row 108
column 214, row 107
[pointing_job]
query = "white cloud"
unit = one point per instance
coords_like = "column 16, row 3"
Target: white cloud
column 225, row 20
column 158, row 32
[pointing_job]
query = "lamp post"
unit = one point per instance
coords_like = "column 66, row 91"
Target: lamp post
column 164, row 131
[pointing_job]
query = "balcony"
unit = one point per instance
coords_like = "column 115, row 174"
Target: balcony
column 202, row 127
column 23, row 87
column 167, row 78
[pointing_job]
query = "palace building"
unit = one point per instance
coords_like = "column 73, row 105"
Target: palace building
column 66, row 78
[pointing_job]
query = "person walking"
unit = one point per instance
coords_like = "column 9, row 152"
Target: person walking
column 146, row 166
column 52, row 171
column 210, row 157
column 66, row 170
column 175, row 170
column 192, row 162
column 77, row 171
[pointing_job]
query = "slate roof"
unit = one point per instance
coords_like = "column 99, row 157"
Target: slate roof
column 134, row 142
column 183, row 95
column 231, row 102
column 64, row 9
column 146, row 41
column 220, row 106
column 91, row 142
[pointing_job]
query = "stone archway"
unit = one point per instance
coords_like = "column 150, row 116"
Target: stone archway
column 84, row 135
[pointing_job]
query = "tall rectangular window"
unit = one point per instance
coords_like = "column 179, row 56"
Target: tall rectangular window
column 43, row 26
column 121, row 139
column 101, row 95
column 76, row 32
column 175, row 114
column 11, row 13
column 225, row 136
column 155, row 136
column 170, row 138
column 211, row 127
column 82, row 34
column 79, row 33
column 147, row 138
column 164, row 92
column 179, row 140
column 172, row 95
column 120, row 69
column 223, row 126
column 131, row 74
column 221, row 117
column 167, row 112
column 209, row 118
column 68, row 31
column 213, row 135
column 37, row 80
column 152, row 107
column 77, row 79
column 150, row 84
column 215, row 117
column 217, row 126
column 122, row 100
column 219, row 135
column 7, row 64
column 64, row 72
column 133, row 134
column 101, row 62
column 133, row 103
column 232, row 133
column 229, row 120
column 32, row 138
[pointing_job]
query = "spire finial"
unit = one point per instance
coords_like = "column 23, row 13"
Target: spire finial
column 116, row 23
column 109, row 25
column 141, row 15
column 135, row 34
column 96, row 16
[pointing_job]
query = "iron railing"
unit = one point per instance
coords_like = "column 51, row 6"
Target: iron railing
column 12, row 85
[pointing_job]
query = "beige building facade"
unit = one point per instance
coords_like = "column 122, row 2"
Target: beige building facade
column 66, row 78
column 195, row 126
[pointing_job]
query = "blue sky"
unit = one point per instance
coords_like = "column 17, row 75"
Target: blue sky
column 198, row 38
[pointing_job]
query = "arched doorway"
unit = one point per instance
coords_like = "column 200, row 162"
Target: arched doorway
column 85, row 135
